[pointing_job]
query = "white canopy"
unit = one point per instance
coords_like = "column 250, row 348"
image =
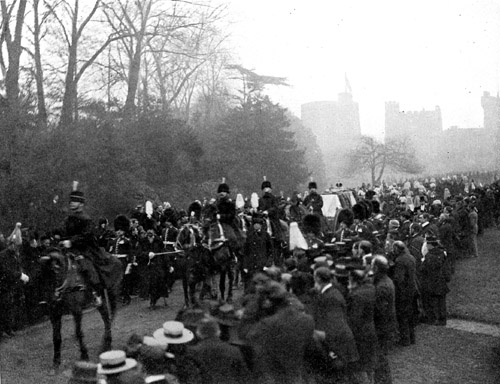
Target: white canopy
column 330, row 205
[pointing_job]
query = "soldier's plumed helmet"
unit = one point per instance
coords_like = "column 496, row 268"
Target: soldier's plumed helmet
column 77, row 196
column 121, row 223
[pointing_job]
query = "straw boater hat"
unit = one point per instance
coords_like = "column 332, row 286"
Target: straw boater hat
column 113, row 362
column 173, row 332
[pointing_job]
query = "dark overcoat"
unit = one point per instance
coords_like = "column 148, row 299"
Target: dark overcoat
column 435, row 273
column 218, row 362
column 360, row 314
column 279, row 343
column 405, row 281
column 330, row 315
column 385, row 309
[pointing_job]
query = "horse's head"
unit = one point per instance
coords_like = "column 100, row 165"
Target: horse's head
column 58, row 264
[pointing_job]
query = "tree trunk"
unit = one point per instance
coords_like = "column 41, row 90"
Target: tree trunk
column 135, row 64
column 42, row 109
column 14, row 50
column 133, row 79
column 69, row 102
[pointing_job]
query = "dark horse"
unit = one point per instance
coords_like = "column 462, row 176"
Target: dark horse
column 224, row 243
column 191, row 263
column 67, row 292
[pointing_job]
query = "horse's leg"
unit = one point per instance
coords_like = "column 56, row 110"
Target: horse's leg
column 185, row 287
column 107, row 338
column 77, row 318
column 56, row 321
column 230, row 277
column 222, row 283
column 192, row 288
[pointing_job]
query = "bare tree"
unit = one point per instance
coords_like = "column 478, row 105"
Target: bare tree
column 377, row 157
column 35, row 52
column 174, row 41
column 132, row 18
column 65, row 13
column 14, row 50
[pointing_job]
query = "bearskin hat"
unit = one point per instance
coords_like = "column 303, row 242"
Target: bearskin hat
column 223, row 187
column 312, row 224
column 369, row 194
column 359, row 211
column 195, row 207
column 345, row 215
column 312, row 184
column 121, row 223
column 265, row 184
column 376, row 206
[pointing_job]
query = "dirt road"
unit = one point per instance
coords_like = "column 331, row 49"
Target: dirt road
column 441, row 355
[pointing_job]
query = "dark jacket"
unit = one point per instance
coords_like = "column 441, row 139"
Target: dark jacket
column 218, row 362
column 314, row 203
column 405, row 279
column 257, row 251
column 279, row 343
column 330, row 316
column 10, row 270
column 415, row 248
column 360, row 314
column 226, row 210
column 447, row 235
column 434, row 273
column 79, row 229
column 270, row 204
column 385, row 309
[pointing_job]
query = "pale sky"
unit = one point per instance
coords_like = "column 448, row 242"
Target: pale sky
column 419, row 53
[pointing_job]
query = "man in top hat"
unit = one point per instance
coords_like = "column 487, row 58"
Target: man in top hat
column 314, row 201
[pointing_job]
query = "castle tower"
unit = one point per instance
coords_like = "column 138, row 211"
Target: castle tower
column 491, row 108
